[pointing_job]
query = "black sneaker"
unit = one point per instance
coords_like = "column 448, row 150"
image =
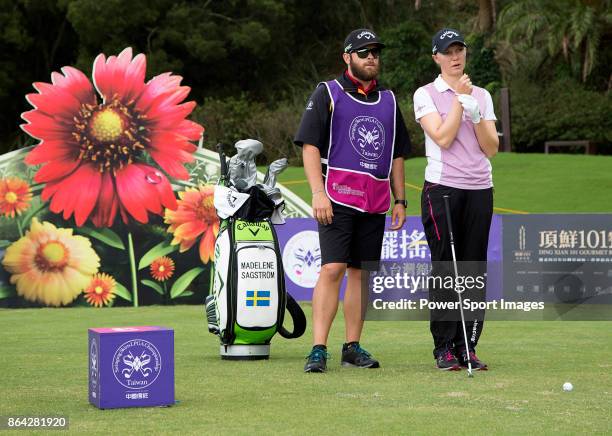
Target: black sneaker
column 446, row 361
column 316, row 360
column 477, row 364
column 355, row 356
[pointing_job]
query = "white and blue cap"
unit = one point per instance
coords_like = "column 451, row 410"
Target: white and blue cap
column 360, row 38
column 444, row 38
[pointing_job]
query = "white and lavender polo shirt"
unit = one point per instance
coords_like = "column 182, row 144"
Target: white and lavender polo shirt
column 463, row 165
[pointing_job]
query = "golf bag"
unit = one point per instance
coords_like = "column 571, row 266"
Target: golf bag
column 247, row 302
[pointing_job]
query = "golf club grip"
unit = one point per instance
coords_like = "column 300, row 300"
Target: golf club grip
column 222, row 160
column 448, row 216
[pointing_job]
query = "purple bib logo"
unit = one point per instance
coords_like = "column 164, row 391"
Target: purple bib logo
column 136, row 364
column 367, row 136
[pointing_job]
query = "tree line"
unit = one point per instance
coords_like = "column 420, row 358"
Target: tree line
column 252, row 63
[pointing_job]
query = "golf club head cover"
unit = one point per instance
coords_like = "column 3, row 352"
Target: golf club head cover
column 275, row 168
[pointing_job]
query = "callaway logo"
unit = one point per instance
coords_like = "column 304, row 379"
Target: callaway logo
column 448, row 33
column 420, row 108
column 366, row 34
column 231, row 199
column 253, row 232
column 242, row 225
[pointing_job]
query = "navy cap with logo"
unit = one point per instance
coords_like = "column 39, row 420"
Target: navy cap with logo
column 360, row 38
column 444, row 38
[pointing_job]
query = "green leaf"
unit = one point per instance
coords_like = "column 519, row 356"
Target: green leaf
column 4, row 243
column 159, row 250
column 179, row 286
column 6, row 291
column 104, row 235
column 185, row 294
column 122, row 292
column 151, row 284
column 31, row 213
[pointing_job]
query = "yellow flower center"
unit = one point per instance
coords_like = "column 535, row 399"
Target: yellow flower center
column 98, row 290
column 52, row 256
column 106, row 125
column 208, row 202
column 110, row 135
column 10, row 197
column 206, row 209
column 161, row 268
column 54, row 252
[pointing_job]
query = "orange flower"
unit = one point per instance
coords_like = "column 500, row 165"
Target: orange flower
column 162, row 268
column 195, row 217
column 101, row 290
column 15, row 196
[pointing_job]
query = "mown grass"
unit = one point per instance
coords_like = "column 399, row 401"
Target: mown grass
column 532, row 183
column 44, row 371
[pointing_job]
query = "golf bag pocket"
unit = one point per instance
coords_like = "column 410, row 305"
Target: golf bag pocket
column 257, row 285
column 248, row 299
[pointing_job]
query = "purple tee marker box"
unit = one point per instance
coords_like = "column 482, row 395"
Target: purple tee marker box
column 131, row 367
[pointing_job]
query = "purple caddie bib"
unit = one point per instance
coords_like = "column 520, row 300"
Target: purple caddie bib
column 362, row 137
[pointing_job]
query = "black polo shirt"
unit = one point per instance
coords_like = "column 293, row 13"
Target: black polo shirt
column 315, row 124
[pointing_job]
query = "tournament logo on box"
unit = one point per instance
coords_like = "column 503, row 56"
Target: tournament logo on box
column 93, row 366
column 302, row 258
column 136, row 364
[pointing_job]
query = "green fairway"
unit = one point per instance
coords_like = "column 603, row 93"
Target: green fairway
column 44, row 367
column 528, row 183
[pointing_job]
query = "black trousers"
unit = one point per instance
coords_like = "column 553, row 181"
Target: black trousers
column 471, row 213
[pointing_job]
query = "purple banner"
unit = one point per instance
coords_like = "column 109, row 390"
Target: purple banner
column 299, row 242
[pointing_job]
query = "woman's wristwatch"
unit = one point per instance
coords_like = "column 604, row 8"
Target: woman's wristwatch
column 402, row 202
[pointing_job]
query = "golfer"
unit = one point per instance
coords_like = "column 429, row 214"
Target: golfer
column 460, row 137
column 354, row 141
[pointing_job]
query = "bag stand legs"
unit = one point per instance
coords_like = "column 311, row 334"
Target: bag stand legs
column 245, row 352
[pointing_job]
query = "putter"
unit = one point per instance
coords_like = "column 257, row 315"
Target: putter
column 452, row 244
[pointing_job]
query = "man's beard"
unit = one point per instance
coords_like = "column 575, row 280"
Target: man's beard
column 362, row 73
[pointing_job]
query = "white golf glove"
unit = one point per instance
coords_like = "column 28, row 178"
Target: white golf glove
column 470, row 107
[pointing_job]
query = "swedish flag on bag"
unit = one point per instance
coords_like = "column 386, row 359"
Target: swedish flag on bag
column 257, row 298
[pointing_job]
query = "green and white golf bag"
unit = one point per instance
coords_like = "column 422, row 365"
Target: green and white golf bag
column 247, row 304
column 247, row 301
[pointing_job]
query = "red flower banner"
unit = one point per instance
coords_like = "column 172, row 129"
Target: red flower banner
column 93, row 154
